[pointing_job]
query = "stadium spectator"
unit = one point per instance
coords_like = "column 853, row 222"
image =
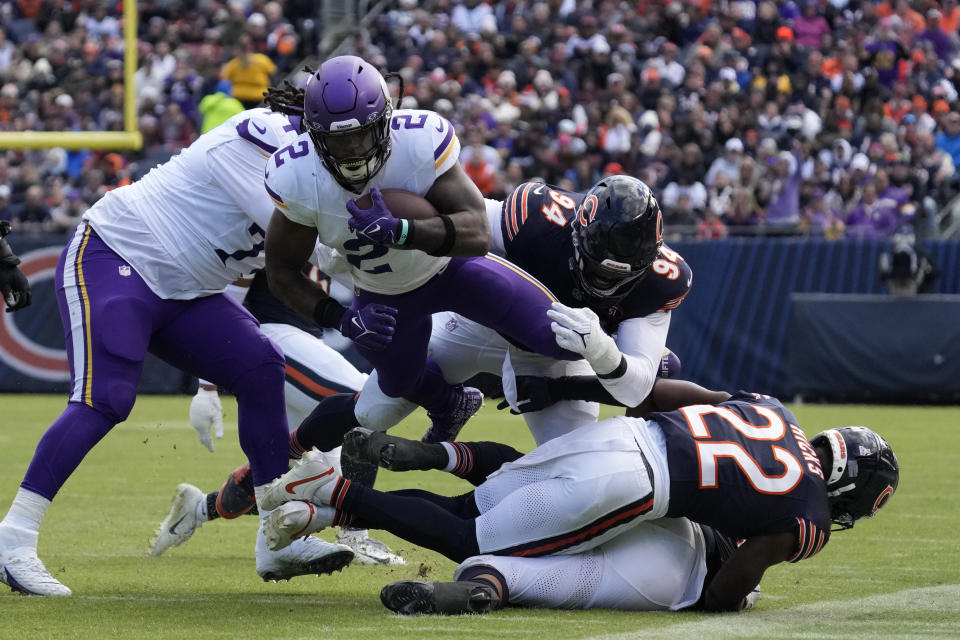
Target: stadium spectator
column 249, row 72
column 5, row 212
column 218, row 106
column 948, row 140
column 831, row 73
column 33, row 215
column 873, row 217
column 728, row 164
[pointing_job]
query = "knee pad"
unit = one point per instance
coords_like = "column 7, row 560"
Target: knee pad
column 376, row 410
column 119, row 400
column 236, row 495
column 265, row 367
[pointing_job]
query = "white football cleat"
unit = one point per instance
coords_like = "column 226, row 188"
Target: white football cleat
column 180, row 522
column 22, row 571
column 304, row 556
column 367, row 550
column 293, row 520
column 311, row 479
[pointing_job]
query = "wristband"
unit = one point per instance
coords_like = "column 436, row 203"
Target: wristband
column 616, row 373
column 404, row 230
column 328, row 313
column 449, row 238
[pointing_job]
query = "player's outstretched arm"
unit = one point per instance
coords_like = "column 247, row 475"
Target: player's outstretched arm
column 739, row 575
column 669, row 395
column 462, row 228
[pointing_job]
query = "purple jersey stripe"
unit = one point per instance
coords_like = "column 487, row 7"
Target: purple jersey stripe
column 446, row 141
column 273, row 194
column 244, row 130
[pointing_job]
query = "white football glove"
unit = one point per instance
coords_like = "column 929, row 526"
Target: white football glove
column 751, row 600
column 579, row 331
column 206, row 415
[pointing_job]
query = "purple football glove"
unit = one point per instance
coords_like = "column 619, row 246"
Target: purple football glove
column 376, row 224
column 371, row 327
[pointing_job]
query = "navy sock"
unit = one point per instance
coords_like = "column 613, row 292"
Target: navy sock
column 326, row 425
column 420, row 517
column 477, row 460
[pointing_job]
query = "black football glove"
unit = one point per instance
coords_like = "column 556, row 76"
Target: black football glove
column 533, row 394
column 13, row 284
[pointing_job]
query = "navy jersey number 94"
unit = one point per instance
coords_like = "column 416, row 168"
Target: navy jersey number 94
column 535, row 224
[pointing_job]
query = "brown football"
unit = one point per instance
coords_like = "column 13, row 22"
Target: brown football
column 402, row 204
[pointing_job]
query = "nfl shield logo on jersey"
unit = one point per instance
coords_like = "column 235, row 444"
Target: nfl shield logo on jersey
column 451, row 324
column 125, row 270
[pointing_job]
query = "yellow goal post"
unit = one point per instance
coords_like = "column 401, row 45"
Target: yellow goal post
column 129, row 138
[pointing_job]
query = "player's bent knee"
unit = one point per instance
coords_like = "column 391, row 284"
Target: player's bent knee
column 382, row 412
column 265, row 373
column 119, row 400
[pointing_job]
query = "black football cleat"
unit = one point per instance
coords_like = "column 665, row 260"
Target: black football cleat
column 394, row 453
column 413, row 597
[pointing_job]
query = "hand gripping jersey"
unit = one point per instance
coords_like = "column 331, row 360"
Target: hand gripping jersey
column 745, row 468
column 424, row 146
column 197, row 223
column 535, row 223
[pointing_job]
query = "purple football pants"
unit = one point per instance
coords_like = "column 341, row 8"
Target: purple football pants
column 488, row 290
column 111, row 319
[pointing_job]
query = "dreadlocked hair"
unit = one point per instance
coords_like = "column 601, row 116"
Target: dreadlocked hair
column 286, row 99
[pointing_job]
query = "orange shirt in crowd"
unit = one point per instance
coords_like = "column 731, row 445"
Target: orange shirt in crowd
column 950, row 22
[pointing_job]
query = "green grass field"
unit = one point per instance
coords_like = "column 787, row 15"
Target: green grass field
column 897, row 576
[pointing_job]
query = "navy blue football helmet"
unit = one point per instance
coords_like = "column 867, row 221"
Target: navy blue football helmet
column 617, row 232
column 862, row 476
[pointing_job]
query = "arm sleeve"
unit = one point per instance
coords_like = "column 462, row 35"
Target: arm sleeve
column 641, row 341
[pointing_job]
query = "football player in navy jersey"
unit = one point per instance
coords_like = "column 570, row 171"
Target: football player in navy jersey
column 739, row 464
column 603, row 248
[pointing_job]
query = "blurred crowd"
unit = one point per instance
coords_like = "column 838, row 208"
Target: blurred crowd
column 61, row 69
column 837, row 118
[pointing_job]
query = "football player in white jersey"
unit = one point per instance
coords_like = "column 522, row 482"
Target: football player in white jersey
column 314, row 371
column 145, row 271
column 403, row 270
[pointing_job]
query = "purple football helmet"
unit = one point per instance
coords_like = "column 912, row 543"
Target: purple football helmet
column 347, row 110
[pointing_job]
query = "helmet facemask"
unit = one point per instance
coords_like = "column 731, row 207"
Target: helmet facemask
column 616, row 234
column 604, row 281
column 354, row 154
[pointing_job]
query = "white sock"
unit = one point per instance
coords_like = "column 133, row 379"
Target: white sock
column 21, row 526
column 452, row 457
